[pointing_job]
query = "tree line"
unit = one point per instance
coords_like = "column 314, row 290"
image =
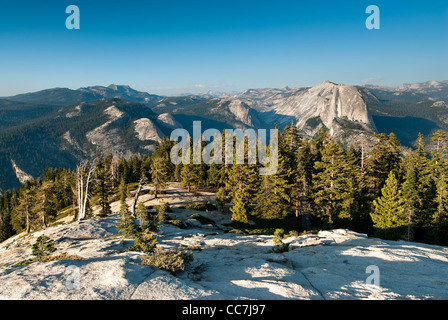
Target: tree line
column 377, row 190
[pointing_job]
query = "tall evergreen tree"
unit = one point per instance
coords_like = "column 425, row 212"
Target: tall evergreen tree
column 25, row 215
column 389, row 215
column 241, row 206
column 142, row 214
column 439, row 166
column 288, row 144
column 102, row 187
column 6, row 228
column 45, row 202
column 302, row 177
column 424, row 185
column 440, row 216
column 126, row 223
column 273, row 197
column 159, row 173
column 220, row 198
column 411, row 199
column 382, row 159
column 214, row 173
column 334, row 184
column 191, row 176
column 242, row 186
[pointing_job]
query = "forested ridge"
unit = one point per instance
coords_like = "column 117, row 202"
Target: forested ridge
column 318, row 185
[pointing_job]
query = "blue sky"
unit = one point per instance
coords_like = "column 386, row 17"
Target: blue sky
column 172, row 47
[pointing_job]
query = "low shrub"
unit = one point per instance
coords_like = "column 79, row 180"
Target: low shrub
column 279, row 234
column 177, row 223
column 201, row 206
column 284, row 247
column 145, row 241
column 43, row 248
column 168, row 260
column 127, row 226
column 202, row 219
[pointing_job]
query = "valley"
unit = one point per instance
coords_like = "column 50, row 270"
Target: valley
column 60, row 127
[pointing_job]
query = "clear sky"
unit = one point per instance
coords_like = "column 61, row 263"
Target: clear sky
column 172, row 47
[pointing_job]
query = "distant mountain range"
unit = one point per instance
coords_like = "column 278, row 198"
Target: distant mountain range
column 59, row 127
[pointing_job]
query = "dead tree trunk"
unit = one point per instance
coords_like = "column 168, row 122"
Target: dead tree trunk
column 141, row 183
column 84, row 174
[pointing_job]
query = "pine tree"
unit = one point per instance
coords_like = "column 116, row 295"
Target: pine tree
column 242, row 186
column 159, row 174
column 424, row 204
column 214, row 175
column 411, row 199
column 274, row 197
column 289, row 142
column 125, row 224
column 301, row 178
column 25, row 215
column 142, row 214
column 162, row 214
column 220, row 198
column 6, row 228
column 43, row 248
column 334, row 183
column 440, row 144
column 389, row 215
column 45, row 202
column 163, row 150
column 102, row 188
column 241, row 207
column 144, row 241
column 440, row 216
column 382, row 159
column 439, row 164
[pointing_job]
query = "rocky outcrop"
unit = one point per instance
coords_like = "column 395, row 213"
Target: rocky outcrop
column 168, row 121
column 147, row 130
column 107, row 137
column 243, row 113
column 331, row 265
column 324, row 104
column 20, row 174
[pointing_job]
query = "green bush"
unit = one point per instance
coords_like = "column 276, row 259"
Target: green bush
column 169, row 260
column 43, row 248
column 127, row 227
column 220, row 198
column 144, row 242
column 279, row 234
column 64, row 256
column 177, row 223
column 201, row 206
column 162, row 209
column 202, row 219
column 284, row 247
column 24, row 262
